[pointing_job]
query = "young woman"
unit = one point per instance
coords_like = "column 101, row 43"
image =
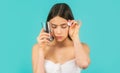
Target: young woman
column 65, row 53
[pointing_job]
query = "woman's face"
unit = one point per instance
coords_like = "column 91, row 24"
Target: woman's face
column 59, row 28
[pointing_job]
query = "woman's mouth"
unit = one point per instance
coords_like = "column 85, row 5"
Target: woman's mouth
column 59, row 37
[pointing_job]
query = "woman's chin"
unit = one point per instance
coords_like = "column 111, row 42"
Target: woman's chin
column 60, row 40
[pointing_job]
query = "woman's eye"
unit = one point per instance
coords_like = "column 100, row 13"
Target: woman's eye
column 64, row 26
column 53, row 26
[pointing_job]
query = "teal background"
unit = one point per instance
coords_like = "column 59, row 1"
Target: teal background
column 20, row 25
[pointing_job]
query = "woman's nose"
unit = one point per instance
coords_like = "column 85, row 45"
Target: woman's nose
column 58, row 30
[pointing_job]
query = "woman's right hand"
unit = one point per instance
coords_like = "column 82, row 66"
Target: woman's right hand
column 43, row 41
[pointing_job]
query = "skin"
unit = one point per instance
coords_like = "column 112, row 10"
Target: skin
column 61, row 49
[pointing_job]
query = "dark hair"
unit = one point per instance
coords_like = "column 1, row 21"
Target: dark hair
column 62, row 10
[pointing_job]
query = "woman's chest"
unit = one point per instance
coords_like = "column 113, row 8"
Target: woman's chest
column 61, row 55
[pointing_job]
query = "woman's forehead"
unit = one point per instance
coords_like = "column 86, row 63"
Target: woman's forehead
column 58, row 20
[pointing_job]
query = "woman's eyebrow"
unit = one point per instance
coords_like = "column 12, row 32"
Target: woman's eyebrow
column 64, row 24
column 51, row 23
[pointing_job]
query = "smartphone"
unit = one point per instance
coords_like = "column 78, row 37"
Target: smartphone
column 46, row 27
column 49, row 31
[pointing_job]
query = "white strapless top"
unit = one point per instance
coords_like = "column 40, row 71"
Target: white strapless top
column 68, row 67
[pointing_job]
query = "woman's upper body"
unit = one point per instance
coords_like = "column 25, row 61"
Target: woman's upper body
column 66, row 53
column 60, row 60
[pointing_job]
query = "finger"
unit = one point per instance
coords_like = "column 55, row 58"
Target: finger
column 73, row 23
column 77, row 28
column 43, row 41
column 44, row 34
column 44, row 37
column 73, row 26
column 78, row 22
column 46, row 41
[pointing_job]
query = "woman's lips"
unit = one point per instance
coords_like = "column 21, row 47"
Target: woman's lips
column 58, row 37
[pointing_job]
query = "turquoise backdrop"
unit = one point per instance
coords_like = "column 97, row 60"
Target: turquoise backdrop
column 20, row 25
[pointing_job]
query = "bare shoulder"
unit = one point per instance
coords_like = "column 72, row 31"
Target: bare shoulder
column 86, row 47
column 35, row 47
column 35, row 50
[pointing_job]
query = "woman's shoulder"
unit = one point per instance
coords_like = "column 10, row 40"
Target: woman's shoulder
column 35, row 48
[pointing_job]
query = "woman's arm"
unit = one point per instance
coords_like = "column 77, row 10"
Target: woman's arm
column 37, row 60
column 81, row 51
column 81, row 54
column 39, row 51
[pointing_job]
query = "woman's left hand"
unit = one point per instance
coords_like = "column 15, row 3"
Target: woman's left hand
column 74, row 29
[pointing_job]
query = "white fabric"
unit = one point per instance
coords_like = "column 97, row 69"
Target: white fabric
column 67, row 67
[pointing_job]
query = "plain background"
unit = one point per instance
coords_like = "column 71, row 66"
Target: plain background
column 20, row 25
